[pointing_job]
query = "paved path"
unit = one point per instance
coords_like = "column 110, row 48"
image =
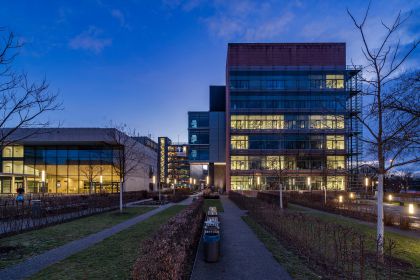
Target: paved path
column 39, row 262
column 243, row 255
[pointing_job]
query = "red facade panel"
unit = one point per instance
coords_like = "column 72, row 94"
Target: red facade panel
column 286, row 54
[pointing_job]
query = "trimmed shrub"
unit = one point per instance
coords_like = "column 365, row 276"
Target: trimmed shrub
column 169, row 253
column 272, row 198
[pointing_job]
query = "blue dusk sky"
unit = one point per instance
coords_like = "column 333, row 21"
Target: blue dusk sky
column 146, row 63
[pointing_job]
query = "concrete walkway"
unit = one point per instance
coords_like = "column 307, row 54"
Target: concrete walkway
column 243, row 255
column 37, row 263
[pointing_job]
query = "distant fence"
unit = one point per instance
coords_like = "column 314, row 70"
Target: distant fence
column 42, row 210
column 335, row 251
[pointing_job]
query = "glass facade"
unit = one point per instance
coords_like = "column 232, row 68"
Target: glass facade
column 198, row 136
column 64, row 169
column 289, row 122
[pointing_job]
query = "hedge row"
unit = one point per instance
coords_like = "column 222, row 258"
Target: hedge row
column 55, row 209
column 168, row 254
column 273, row 198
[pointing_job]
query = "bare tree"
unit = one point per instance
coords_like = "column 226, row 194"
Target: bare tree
column 22, row 102
column 393, row 128
column 275, row 165
column 91, row 172
column 129, row 155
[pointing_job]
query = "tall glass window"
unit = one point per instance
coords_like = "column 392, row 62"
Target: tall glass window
column 335, row 142
column 239, row 142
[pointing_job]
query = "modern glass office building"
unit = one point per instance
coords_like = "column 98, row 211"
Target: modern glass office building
column 291, row 117
column 206, row 139
column 174, row 167
column 70, row 161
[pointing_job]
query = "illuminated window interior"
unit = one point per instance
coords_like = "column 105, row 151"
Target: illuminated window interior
column 326, row 121
column 239, row 142
column 256, row 121
column 334, row 81
column 336, row 162
column 335, row 142
column 239, row 163
column 274, row 162
column 335, row 182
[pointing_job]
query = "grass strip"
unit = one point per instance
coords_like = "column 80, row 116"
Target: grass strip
column 290, row 261
column 112, row 258
column 17, row 248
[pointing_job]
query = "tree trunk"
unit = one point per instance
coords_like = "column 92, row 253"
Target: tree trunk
column 380, row 220
column 121, row 195
column 281, row 195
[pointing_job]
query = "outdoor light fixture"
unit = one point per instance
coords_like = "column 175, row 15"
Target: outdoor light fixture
column 390, row 197
column 43, row 176
column 411, row 209
column 154, row 179
column 366, row 182
column 340, row 199
column 100, row 179
column 258, row 180
column 191, row 179
column 207, row 180
column 194, row 181
column 351, row 195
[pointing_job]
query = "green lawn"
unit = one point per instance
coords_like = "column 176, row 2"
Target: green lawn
column 290, row 261
column 408, row 248
column 213, row 203
column 38, row 241
column 112, row 258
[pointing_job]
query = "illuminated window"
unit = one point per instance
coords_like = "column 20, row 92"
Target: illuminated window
column 326, row 121
column 274, row 162
column 8, row 151
column 241, row 182
column 335, row 182
column 239, row 163
column 7, row 166
column 18, row 151
column 256, row 121
column 335, row 142
column 334, row 81
column 336, row 162
column 239, row 142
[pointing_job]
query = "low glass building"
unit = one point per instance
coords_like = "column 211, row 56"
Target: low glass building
column 69, row 161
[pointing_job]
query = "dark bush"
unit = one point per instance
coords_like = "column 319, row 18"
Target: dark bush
column 168, row 254
column 404, row 222
column 273, row 198
column 57, row 208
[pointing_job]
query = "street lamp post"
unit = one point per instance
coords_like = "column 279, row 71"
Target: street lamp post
column 309, row 184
